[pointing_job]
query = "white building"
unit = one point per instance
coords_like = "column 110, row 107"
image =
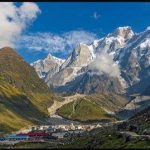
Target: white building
column 59, row 135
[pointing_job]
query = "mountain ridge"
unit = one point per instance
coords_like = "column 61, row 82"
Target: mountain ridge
column 128, row 50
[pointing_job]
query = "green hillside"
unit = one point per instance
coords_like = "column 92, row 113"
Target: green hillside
column 14, row 70
column 109, row 101
column 18, row 109
column 141, row 119
column 108, row 138
column 105, row 138
column 83, row 110
column 90, row 108
column 24, row 97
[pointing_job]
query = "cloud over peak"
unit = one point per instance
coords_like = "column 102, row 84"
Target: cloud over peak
column 105, row 64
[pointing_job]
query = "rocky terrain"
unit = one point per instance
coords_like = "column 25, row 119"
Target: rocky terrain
column 134, row 106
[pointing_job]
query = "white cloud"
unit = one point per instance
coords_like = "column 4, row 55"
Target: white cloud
column 75, row 37
column 13, row 21
column 96, row 15
column 52, row 43
column 105, row 64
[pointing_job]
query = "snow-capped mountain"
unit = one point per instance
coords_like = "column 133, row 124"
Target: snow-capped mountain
column 129, row 51
column 81, row 57
column 50, row 65
column 134, row 62
column 116, row 40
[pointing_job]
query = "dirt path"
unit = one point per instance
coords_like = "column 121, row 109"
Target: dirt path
column 56, row 105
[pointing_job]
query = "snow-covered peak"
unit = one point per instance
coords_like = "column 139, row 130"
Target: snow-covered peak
column 125, row 32
column 81, row 56
column 124, row 28
column 115, row 40
column 56, row 59
column 38, row 61
column 50, row 63
column 129, row 50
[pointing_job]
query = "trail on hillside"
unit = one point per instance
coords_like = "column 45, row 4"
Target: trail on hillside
column 57, row 104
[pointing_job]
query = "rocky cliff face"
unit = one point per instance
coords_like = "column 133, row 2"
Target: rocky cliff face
column 88, row 83
column 81, row 57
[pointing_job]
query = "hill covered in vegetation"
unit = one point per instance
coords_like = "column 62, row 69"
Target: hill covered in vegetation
column 93, row 107
column 24, row 97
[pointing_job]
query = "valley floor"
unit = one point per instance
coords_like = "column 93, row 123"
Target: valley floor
column 104, row 135
column 58, row 134
column 64, row 133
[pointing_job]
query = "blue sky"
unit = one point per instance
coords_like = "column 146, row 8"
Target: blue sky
column 67, row 20
column 62, row 17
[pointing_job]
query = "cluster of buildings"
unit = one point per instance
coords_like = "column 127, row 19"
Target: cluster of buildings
column 60, row 128
column 30, row 136
column 48, row 132
column 74, row 127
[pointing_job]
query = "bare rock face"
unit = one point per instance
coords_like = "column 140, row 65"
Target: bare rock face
column 80, row 57
column 88, row 84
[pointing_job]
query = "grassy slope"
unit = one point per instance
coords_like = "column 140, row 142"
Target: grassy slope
column 110, row 101
column 14, row 70
column 18, row 109
column 107, row 138
column 83, row 110
column 141, row 119
column 24, row 97
column 91, row 107
column 103, row 138
column 23, row 145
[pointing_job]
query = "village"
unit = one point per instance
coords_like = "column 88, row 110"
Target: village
column 61, row 134
column 46, row 133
